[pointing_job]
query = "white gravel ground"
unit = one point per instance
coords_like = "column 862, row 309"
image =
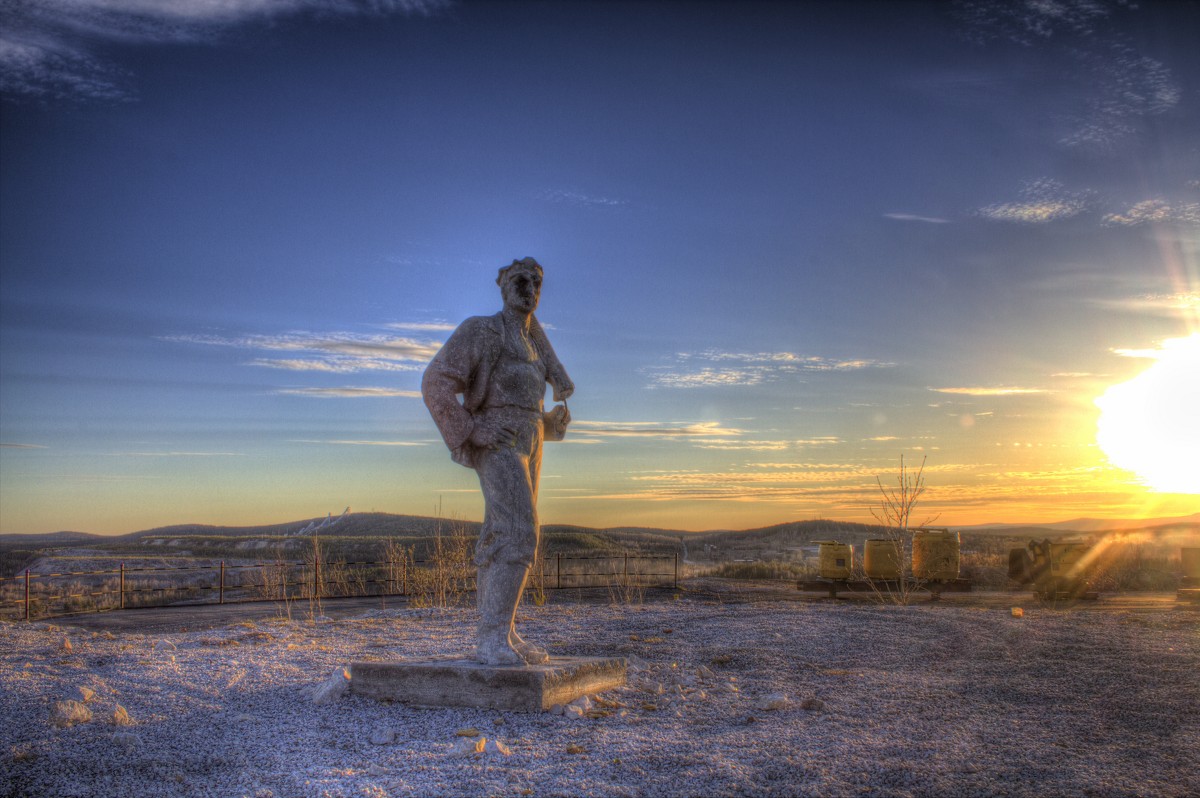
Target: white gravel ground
column 921, row 700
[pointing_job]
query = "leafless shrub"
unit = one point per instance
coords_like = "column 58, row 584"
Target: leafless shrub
column 444, row 580
column 894, row 512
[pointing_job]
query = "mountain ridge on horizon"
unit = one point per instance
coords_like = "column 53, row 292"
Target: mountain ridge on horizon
column 432, row 523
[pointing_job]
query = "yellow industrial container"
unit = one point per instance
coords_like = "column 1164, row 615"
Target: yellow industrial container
column 935, row 554
column 837, row 559
column 1191, row 562
column 1066, row 558
column 881, row 559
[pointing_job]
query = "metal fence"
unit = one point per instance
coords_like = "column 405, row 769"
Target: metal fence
column 29, row 595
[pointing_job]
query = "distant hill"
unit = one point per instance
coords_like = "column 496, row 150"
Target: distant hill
column 51, row 539
column 1087, row 524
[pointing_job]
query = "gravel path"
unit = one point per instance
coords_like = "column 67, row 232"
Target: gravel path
column 871, row 700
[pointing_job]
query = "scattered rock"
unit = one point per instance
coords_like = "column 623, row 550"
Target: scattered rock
column 374, row 769
column 66, row 646
column 164, row 645
column 383, row 737
column 498, row 722
column 497, row 747
column 722, row 659
column 583, row 702
column 127, row 739
column 68, row 713
column 575, row 749
column 333, row 688
column 1018, row 612
column 82, row 694
column 469, row 746
column 573, row 711
column 773, row 701
column 557, row 709
column 120, row 717
column 471, row 732
column 812, row 704
column 704, row 673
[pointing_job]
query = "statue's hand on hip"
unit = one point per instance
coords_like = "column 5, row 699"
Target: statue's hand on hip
column 487, row 435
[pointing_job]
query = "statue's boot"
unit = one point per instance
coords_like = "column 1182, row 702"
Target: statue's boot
column 499, row 590
column 533, row 654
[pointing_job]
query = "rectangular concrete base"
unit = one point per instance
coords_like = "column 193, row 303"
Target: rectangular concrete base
column 462, row 682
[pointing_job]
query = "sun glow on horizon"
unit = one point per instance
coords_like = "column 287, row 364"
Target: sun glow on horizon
column 1150, row 425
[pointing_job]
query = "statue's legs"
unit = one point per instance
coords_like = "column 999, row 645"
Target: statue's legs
column 507, row 544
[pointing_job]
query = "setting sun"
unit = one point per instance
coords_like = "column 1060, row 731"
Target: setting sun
column 1150, row 424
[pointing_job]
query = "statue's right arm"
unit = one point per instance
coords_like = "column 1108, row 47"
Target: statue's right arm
column 447, row 376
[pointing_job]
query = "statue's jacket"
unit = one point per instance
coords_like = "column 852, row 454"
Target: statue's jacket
column 464, row 366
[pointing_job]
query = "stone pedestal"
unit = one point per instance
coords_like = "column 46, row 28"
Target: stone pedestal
column 463, row 682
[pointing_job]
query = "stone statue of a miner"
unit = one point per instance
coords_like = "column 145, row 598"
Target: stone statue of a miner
column 500, row 366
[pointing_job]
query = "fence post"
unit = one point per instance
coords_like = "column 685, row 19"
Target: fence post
column 675, row 581
column 27, row 594
column 221, row 591
column 316, row 575
column 404, row 578
column 122, row 585
column 558, row 580
column 625, row 568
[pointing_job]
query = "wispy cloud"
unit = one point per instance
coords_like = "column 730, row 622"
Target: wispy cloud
column 349, row 393
column 1042, row 201
column 789, row 484
column 1110, row 87
column 21, row 446
column 421, row 326
column 48, row 48
column 1156, row 211
column 713, row 367
column 912, row 217
column 580, row 198
column 360, row 443
column 653, row 429
column 180, row 454
column 985, row 391
column 335, row 352
column 1158, row 304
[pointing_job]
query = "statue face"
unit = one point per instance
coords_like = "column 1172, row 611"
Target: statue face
column 521, row 290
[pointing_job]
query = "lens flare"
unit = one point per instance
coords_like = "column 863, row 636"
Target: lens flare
column 1150, row 425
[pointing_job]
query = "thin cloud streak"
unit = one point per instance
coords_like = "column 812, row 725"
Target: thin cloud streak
column 359, row 443
column 912, row 217
column 350, row 393
column 651, row 429
column 421, row 326
column 991, row 391
column 693, row 369
column 337, row 352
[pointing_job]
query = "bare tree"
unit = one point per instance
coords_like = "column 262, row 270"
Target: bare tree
column 894, row 512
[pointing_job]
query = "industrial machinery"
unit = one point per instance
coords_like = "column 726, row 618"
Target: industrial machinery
column 1053, row 570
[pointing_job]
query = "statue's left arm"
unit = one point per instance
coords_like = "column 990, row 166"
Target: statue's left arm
column 556, row 374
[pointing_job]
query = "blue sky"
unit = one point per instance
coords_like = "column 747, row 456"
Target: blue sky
column 784, row 244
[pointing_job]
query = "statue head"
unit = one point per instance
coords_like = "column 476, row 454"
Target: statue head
column 521, row 285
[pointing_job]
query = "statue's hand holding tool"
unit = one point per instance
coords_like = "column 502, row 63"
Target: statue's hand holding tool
column 556, row 421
